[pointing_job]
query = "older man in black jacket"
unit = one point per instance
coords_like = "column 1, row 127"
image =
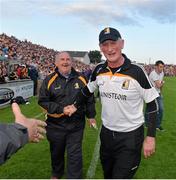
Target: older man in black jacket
column 65, row 131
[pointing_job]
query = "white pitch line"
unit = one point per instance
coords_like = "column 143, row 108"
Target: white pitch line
column 95, row 156
column 93, row 164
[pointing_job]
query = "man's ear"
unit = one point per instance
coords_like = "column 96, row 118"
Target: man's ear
column 100, row 47
column 122, row 43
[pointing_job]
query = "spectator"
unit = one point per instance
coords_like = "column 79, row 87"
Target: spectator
column 33, row 74
column 156, row 77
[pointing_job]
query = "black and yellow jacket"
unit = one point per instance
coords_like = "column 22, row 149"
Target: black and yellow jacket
column 57, row 92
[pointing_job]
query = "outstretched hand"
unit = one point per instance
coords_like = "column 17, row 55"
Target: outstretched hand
column 36, row 128
column 69, row 110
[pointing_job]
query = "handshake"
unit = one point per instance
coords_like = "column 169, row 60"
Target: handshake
column 69, row 110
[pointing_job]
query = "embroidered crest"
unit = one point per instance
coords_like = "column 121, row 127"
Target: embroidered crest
column 76, row 85
column 107, row 30
column 125, row 84
column 58, row 87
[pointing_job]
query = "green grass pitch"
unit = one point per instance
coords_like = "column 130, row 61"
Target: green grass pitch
column 33, row 161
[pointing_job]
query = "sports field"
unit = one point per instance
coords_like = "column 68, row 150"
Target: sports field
column 33, row 161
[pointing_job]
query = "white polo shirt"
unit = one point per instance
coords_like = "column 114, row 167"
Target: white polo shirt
column 154, row 76
column 122, row 95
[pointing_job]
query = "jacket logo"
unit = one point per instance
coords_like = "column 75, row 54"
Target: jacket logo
column 76, row 86
column 58, row 87
column 106, row 31
column 125, row 84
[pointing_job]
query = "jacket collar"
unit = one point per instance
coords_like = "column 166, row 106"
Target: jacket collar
column 124, row 66
column 71, row 75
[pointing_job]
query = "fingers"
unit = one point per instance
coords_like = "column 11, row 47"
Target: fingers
column 16, row 110
column 148, row 153
column 92, row 123
column 36, row 130
column 73, row 109
column 38, row 135
column 66, row 110
column 19, row 117
column 41, row 130
column 37, row 138
column 41, row 123
column 69, row 110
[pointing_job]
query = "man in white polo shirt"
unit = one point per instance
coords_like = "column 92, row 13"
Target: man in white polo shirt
column 123, row 87
column 156, row 77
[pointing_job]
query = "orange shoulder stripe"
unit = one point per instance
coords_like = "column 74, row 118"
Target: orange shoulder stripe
column 52, row 80
column 83, row 80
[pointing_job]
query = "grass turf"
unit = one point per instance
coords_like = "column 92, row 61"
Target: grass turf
column 33, row 161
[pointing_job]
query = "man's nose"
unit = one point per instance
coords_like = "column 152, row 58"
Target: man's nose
column 109, row 47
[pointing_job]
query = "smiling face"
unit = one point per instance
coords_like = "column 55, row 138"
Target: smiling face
column 63, row 62
column 112, row 51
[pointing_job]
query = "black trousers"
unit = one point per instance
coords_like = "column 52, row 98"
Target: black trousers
column 71, row 141
column 120, row 152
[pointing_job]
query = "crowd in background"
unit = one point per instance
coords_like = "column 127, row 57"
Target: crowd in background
column 169, row 70
column 30, row 56
column 38, row 58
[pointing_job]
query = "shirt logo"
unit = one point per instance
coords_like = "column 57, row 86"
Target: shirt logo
column 106, row 31
column 76, row 85
column 58, row 87
column 120, row 97
column 126, row 84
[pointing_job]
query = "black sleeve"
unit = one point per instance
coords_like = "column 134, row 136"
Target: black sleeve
column 82, row 96
column 84, row 93
column 90, row 107
column 152, row 109
column 46, row 102
column 12, row 138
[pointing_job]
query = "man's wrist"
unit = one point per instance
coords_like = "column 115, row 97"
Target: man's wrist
column 149, row 138
column 151, row 133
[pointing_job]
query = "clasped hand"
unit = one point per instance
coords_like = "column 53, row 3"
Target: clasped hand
column 69, row 110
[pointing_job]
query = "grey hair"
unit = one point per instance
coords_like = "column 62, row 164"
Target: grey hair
column 61, row 52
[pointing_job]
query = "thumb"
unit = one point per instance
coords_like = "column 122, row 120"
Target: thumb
column 16, row 109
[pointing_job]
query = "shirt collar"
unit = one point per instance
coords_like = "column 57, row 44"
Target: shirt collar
column 124, row 66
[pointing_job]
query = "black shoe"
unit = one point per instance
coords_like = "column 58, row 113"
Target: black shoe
column 160, row 129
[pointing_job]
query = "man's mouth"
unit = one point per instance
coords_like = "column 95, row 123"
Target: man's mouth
column 112, row 54
column 65, row 65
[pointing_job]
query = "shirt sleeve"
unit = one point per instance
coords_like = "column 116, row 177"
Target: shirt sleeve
column 146, row 88
column 92, row 84
column 153, row 76
column 12, row 138
column 149, row 94
column 90, row 107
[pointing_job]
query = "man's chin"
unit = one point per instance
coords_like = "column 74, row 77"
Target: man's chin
column 112, row 60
